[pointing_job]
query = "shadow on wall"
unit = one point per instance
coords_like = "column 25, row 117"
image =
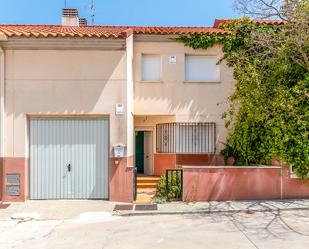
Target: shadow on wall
column 194, row 101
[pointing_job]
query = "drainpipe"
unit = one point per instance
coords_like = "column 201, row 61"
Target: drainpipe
column 1, row 102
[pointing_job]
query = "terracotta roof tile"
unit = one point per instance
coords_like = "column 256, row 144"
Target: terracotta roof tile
column 276, row 22
column 12, row 30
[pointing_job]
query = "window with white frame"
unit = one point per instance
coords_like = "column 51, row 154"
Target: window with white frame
column 200, row 68
column 186, row 138
column 151, row 68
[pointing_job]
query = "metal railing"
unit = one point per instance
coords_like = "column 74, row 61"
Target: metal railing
column 186, row 138
column 174, row 184
column 134, row 184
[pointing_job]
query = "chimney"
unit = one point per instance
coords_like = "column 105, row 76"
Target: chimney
column 82, row 22
column 70, row 17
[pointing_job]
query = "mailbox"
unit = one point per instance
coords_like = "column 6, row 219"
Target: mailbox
column 119, row 150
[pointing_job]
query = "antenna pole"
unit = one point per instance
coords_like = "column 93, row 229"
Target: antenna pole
column 65, row 3
column 92, row 10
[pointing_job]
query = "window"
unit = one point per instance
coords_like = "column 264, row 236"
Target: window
column 201, row 69
column 151, row 68
column 186, row 138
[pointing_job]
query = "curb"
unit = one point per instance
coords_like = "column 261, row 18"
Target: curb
column 151, row 213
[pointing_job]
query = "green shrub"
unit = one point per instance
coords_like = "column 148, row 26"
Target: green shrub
column 174, row 184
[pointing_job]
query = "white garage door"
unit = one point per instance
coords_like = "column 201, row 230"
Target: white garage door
column 69, row 158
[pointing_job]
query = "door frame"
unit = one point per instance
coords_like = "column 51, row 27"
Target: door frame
column 150, row 129
column 29, row 116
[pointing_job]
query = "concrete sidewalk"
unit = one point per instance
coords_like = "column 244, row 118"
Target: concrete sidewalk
column 55, row 209
column 72, row 209
column 223, row 207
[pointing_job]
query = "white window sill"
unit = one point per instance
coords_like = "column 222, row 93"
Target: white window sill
column 202, row 82
column 149, row 82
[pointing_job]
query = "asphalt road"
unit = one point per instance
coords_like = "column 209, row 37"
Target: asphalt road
column 267, row 230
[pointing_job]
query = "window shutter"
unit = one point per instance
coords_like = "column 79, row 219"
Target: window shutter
column 151, row 68
column 201, row 69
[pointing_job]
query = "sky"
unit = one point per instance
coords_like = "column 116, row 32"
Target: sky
column 120, row 12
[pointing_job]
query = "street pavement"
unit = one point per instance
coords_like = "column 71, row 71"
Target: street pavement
column 97, row 230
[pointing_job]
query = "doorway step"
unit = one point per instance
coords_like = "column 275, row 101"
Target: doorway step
column 146, row 189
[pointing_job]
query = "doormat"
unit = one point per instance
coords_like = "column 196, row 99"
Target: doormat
column 152, row 207
column 123, row 207
column 4, row 206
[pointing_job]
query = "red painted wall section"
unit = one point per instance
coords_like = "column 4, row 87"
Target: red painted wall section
column 121, row 179
column 199, row 160
column 293, row 187
column 1, row 178
column 162, row 162
column 221, row 184
column 15, row 165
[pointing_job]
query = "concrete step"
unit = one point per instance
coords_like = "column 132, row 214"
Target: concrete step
column 148, row 179
column 146, row 185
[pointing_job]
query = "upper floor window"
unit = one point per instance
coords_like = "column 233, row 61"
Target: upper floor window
column 200, row 68
column 151, row 68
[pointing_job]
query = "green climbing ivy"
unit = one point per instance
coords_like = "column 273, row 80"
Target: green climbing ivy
column 268, row 115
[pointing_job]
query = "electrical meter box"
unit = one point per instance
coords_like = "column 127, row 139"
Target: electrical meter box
column 119, row 150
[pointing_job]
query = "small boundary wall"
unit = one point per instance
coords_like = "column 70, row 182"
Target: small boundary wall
column 225, row 183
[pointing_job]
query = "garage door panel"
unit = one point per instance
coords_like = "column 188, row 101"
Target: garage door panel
column 82, row 144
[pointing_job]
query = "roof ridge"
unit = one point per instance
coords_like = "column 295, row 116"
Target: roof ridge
column 116, row 26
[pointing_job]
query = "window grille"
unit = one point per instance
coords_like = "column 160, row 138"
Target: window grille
column 186, row 138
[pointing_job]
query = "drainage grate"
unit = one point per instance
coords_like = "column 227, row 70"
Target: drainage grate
column 4, row 206
column 123, row 207
column 152, row 207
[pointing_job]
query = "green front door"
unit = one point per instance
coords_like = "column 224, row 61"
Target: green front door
column 139, row 151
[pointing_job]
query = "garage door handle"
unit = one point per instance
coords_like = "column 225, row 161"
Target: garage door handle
column 69, row 167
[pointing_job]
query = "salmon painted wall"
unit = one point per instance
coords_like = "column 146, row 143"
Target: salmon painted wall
column 162, row 162
column 231, row 183
column 121, row 179
column 293, row 187
column 14, row 165
column 200, row 160
column 241, row 183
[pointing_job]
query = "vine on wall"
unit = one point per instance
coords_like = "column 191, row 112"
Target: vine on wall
column 268, row 115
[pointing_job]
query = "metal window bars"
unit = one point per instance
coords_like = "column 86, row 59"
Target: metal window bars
column 186, row 138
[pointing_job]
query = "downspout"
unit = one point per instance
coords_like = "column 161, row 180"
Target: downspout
column 2, row 76
column 2, row 38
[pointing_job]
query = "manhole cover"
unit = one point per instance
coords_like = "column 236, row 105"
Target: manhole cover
column 4, row 206
column 123, row 207
column 146, row 207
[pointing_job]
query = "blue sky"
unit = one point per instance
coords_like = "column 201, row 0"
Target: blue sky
column 120, row 12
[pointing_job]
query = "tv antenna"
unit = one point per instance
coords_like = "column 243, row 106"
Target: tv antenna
column 92, row 12
column 65, row 3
